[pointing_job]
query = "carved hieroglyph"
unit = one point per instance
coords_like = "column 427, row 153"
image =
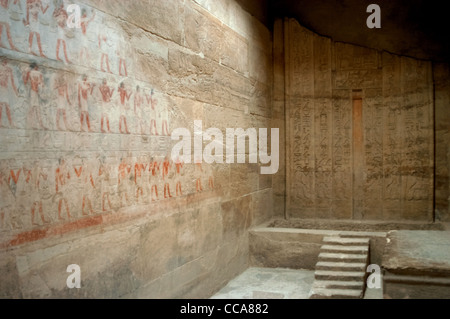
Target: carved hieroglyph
column 360, row 131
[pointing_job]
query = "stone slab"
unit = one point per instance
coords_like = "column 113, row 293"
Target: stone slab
column 418, row 253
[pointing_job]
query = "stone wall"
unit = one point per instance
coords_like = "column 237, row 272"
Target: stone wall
column 442, row 102
column 86, row 173
column 360, row 129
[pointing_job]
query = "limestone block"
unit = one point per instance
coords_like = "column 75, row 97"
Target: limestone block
column 262, row 203
column 236, row 217
column 161, row 18
column 269, row 251
column 202, row 31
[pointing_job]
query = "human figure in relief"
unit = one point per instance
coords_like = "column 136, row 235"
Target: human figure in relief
column 37, row 179
column 88, row 189
column 199, row 174
column 62, row 177
column 85, row 21
column 36, row 80
column 104, row 59
column 154, row 169
column 123, row 181
column 16, row 183
column 107, row 93
column 7, row 197
column 104, row 173
column 163, row 115
column 139, row 172
column 60, row 15
column 178, row 166
column 124, row 98
column 85, row 90
column 152, row 102
column 121, row 51
column 6, row 77
column 5, row 26
column 84, row 55
column 34, row 8
column 138, row 109
column 62, row 101
column 165, row 176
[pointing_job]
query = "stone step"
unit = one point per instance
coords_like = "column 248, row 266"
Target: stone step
column 343, row 257
column 336, row 284
column 324, row 293
column 345, row 249
column 339, row 275
column 340, row 266
column 346, row 241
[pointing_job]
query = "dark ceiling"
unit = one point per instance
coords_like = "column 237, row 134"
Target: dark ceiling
column 415, row 28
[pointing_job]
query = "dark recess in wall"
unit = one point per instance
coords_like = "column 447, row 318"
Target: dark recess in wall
column 415, row 28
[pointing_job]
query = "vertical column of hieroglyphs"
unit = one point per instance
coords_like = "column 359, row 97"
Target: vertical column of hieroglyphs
column 342, row 134
column 358, row 71
column 301, row 121
column 323, row 126
column 372, row 205
column 392, row 137
column 417, row 160
column 373, row 154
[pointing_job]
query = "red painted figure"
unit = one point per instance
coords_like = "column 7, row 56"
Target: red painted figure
column 35, row 176
column 104, row 173
column 125, row 96
column 84, row 90
column 85, row 21
column 198, row 182
column 34, row 7
column 62, row 176
column 124, row 173
column 6, row 76
column 179, row 167
column 5, row 5
column 36, row 80
column 165, row 173
column 61, row 17
column 107, row 93
column 6, row 195
column 102, row 39
column 89, row 182
column 154, row 169
column 62, row 100
column 122, row 62
column 139, row 169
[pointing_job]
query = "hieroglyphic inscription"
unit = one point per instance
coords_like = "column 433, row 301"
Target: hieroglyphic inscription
column 302, row 117
column 361, row 131
column 342, row 153
column 323, row 125
column 416, row 163
column 373, row 151
column 392, row 135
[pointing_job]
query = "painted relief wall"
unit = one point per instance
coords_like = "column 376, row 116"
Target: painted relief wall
column 86, row 116
column 360, row 123
column 81, row 134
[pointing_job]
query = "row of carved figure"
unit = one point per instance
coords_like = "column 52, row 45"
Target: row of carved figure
column 45, row 26
column 73, row 100
column 88, row 186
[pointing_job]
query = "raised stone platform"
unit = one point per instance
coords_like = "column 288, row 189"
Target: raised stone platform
column 416, row 264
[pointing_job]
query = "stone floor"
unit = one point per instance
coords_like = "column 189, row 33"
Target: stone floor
column 269, row 283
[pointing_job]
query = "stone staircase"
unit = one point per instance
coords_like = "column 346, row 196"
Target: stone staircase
column 341, row 268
